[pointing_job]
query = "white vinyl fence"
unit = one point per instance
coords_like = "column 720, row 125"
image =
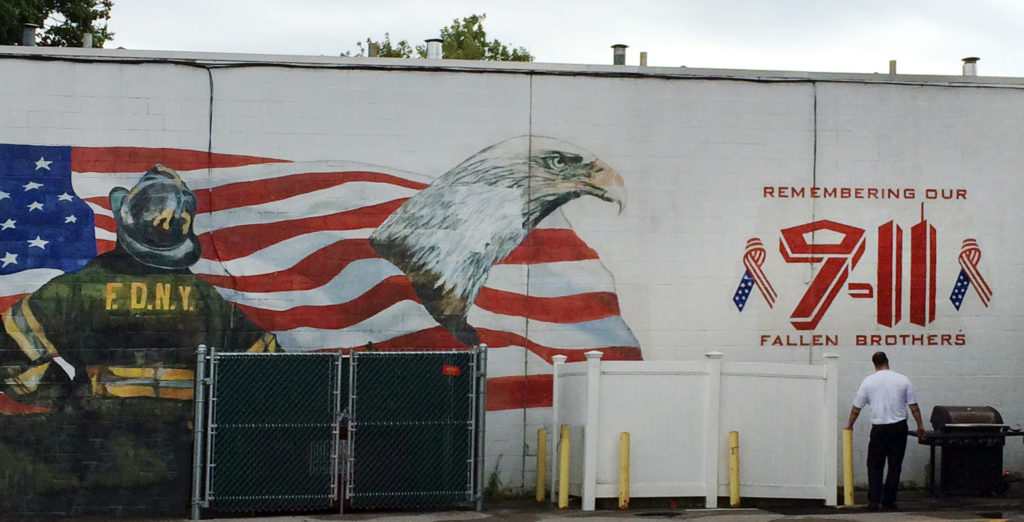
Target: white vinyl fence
column 679, row 415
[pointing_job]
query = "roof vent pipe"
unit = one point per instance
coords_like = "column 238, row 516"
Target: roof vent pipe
column 87, row 40
column 971, row 66
column 643, row 59
column 892, row 66
column 619, row 54
column 28, row 35
column 434, row 49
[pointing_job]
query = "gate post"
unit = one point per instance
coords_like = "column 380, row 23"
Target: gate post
column 591, row 431
column 481, row 405
column 337, row 491
column 353, row 425
column 210, row 426
column 711, row 428
column 199, row 395
column 831, row 416
column 556, row 361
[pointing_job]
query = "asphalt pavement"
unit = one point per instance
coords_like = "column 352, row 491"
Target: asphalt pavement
column 913, row 506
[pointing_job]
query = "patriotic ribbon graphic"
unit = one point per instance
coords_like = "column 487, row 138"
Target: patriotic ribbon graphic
column 970, row 254
column 753, row 259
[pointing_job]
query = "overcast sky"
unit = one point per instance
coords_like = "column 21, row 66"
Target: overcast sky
column 924, row 36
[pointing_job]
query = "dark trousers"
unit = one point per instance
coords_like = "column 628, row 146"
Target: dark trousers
column 888, row 444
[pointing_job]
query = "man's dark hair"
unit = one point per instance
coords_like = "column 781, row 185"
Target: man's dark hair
column 879, row 359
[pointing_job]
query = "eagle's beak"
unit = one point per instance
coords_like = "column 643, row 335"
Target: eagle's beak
column 611, row 187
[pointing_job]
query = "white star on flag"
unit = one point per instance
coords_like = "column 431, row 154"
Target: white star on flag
column 33, row 226
column 4, row 195
column 71, row 219
column 9, row 259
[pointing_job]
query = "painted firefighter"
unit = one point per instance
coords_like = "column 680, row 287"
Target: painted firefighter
column 100, row 363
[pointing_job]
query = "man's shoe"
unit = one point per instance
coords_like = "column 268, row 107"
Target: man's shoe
column 872, row 507
column 890, row 507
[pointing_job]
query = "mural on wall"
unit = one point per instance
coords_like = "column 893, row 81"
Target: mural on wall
column 447, row 237
column 127, row 323
column 107, row 290
column 905, row 287
column 98, row 361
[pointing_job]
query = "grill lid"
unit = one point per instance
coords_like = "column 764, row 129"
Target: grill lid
column 965, row 418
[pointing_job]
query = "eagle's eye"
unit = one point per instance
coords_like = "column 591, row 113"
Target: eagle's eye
column 559, row 161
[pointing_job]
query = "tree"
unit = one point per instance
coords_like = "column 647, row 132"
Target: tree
column 467, row 40
column 385, row 49
column 64, row 22
column 463, row 40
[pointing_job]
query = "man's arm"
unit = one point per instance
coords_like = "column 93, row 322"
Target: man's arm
column 854, row 412
column 916, row 412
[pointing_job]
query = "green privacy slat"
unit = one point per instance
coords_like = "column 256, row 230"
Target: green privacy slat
column 411, row 436
column 273, row 431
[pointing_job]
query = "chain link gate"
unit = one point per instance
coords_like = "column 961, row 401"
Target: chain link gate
column 272, row 431
column 412, row 431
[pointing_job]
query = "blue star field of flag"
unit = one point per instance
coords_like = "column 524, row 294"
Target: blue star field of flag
column 743, row 292
column 43, row 224
column 960, row 289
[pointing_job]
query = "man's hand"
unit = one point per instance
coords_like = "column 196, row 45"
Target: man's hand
column 854, row 412
column 916, row 412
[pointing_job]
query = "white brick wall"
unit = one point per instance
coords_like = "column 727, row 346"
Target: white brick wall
column 695, row 154
column 90, row 104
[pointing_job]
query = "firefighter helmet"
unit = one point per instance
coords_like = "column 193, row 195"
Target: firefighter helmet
column 154, row 220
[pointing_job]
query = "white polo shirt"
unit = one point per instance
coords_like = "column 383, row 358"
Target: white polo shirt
column 888, row 393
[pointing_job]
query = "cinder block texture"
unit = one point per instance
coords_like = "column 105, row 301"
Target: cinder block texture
column 752, row 223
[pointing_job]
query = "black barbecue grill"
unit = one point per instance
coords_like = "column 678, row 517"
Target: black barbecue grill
column 972, row 440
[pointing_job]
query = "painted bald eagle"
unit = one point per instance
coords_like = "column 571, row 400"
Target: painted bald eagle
column 446, row 237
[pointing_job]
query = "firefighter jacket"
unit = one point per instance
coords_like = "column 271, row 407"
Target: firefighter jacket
column 117, row 328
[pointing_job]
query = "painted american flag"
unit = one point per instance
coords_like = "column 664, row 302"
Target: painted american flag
column 287, row 243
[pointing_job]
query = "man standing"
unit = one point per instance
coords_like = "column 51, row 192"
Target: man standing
column 889, row 394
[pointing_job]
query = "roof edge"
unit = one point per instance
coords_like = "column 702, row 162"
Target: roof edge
column 222, row 60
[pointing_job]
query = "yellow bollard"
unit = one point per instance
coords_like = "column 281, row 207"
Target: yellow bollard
column 542, row 463
column 734, row 468
column 624, row 470
column 847, row 467
column 563, row 469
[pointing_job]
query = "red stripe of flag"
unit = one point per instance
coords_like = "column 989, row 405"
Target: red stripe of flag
column 499, row 339
column 575, row 308
column 436, row 338
column 105, row 222
column 550, row 245
column 515, row 392
column 337, row 316
column 136, row 159
column 240, row 241
column 104, row 245
column 7, row 301
column 313, row 271
column 11, row 407
column 262, row 191
column 99, row 201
